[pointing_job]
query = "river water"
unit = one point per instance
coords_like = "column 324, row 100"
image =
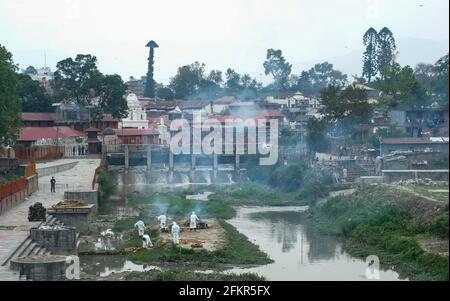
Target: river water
column 298, row 251
column 286, row 235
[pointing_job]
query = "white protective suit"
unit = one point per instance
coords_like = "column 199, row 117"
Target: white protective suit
column 146, row 241
column 140, row 226
column 162, row 221
column 194, row 220
column 175, row 233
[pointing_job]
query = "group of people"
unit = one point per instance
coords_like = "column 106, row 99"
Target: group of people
column 81, row 150
column 175, row 231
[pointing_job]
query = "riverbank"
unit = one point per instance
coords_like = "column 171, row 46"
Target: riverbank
column 220, row 244
column 390, row 223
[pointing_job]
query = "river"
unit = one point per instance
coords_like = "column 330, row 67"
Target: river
column 286, row 235
column 298, row 251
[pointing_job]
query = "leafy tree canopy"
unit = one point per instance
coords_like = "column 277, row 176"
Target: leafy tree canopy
column 320, row 76
column 33, row 95
column 79, row 80
column 400, row 87
column 10, row 120
column 278, row 67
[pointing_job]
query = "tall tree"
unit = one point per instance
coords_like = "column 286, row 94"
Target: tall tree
column 442, row 80
column 370, row 40
column 387, row 50
column 149, row 90
column 278, row 67
column 33, row 95
column 10, row 120
column 233, row 82
column 81, row 82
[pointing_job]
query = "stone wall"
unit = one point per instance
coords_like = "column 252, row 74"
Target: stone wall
column 60, row 240
column 390, row 176
column 45, row 171
column 12, row 199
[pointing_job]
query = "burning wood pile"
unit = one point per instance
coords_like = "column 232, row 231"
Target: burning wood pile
column 70, row 204
column 36, row 212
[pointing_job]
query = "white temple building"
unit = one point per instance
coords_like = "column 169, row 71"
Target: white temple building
column 137, row 117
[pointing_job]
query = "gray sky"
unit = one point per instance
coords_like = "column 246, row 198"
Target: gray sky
column 222, row 34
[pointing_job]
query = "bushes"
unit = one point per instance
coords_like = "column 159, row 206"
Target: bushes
column 105, row 186
column 373, row 227
column 440, row 227
column 288, row 178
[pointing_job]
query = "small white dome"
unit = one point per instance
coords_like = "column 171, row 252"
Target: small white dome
column 132, row 101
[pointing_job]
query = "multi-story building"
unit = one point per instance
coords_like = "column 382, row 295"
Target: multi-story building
column 137, row 86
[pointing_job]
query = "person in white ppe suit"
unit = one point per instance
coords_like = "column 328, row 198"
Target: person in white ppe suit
column 162, row 221
column 146, row 241
column 194, row 220
column 140, row 226
column 175, row 233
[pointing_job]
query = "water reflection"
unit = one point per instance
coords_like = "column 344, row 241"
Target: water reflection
column 299, row 252
column 103, row 266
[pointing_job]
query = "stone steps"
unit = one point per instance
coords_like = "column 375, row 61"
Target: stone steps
column 28, row 247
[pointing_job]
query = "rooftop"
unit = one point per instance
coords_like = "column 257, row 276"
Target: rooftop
column 136, row 132
column 36, row 133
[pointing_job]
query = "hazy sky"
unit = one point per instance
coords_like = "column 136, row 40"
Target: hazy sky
column 222, row 34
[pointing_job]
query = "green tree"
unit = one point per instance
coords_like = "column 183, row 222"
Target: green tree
column 111, row 96
column 233, row 82
column 10, row 120
column 31, row 70
column 426, row 75
column 188, row 80
column 165, row 93
column 370, row 40
column 400, row 86
column 33, row 95
column 387, row 50
column 320, row 76
column 349, row 105
column 81, row 82
column 442, row 80
column 278, row 67
column 316, row 135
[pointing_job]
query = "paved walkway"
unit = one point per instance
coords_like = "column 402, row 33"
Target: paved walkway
column 14, row 224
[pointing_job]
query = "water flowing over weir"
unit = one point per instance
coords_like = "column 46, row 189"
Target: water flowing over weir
column 149, row 168
column 140, row 180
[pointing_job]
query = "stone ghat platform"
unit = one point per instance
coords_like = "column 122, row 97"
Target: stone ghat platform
column 80, row 216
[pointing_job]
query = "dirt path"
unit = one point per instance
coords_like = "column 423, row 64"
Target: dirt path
column 400, row 187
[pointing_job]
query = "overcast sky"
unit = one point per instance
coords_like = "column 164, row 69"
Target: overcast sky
column 222, row 34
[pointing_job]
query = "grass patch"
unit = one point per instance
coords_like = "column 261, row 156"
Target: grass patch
column 255, row 194
column 425, row 191
column 183, row 275
column 382, row 228
column 178, row 206
column 237, row 250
